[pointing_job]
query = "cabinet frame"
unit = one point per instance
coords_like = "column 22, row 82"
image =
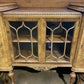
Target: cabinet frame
column 41, row 20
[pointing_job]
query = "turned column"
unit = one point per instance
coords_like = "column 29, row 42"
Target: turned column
column 79, row 81
column 11, row 75
column 72, row 77
column 4, row 78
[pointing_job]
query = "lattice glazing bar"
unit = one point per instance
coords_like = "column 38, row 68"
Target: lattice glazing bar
column 32, row 57
column 56, row 58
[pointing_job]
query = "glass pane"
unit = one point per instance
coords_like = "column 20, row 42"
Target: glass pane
column 35, row 49
column 13, row 34
column 25, row 41
column 15, row 48
column 59, row 35
column 30, row 24
column 35, row 34
column 58, row 49
column 68, row 49
column 54, row 52
column 68, row 25
column 25, row 49
column 48, row 35
column 70, row 28
column 48, row 49
column 24, row 34
column 53, row 25
column 23, row 31
column 70, row 34
column 15, row 24
column 57, row 31
column 58, row 41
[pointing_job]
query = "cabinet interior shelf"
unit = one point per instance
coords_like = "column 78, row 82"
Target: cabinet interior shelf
column 33, row 59
column 24, row 38
column 57, row 39
column 27, row 38
column 48, row 57
column 26, row 54
column 55, row 57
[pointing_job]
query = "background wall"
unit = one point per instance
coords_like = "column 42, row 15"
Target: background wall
column 42, row 3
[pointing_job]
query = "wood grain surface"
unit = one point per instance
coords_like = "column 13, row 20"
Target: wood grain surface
column 42, row 3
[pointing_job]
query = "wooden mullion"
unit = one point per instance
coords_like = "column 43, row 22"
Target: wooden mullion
column 9, row 39
column 41, row 40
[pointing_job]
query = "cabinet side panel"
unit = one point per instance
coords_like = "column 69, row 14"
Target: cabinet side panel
column 9, row 39
column 78, row 64
column 74, row 42
column 5, row 60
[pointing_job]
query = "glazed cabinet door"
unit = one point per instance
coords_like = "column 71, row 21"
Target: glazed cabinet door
column 61, row 39
column 25, row 40
column 5, row 58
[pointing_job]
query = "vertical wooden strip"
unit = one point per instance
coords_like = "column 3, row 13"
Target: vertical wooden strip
column 9, row 39
column 74, row 41
column 41, row 40
column 79, row 56
column 1, row 48
column 65, row 44
column 5, row 46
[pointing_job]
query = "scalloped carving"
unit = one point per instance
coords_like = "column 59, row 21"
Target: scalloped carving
column 42, row 68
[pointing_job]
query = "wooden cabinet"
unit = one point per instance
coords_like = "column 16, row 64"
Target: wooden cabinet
column 40, row 38
column 44, row 38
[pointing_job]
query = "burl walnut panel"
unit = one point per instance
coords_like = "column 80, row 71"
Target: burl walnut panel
column 42, row 3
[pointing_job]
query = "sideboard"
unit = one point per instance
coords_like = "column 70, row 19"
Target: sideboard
column 41, row 38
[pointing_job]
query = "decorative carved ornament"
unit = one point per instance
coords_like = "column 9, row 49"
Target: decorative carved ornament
column 41, row 68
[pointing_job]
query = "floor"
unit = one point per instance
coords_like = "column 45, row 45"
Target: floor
column 29, row 76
